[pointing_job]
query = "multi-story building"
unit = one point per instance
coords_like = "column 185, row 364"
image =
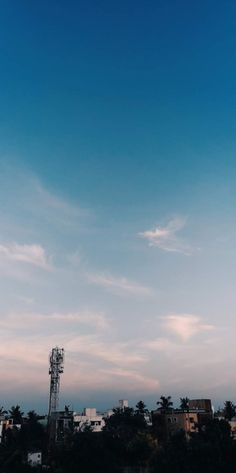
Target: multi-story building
column 6, row 424
column 88, row 418
column 167, row 423
column 201, row 404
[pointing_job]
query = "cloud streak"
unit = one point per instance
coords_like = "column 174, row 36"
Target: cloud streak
column 165, row 238
column 185, row 326
column 67, row 320
column 117, row 285
column 31, row 254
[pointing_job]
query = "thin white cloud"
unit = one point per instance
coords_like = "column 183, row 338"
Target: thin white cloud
column 49, row 200
column 120, row 354
column 185, row 326
column 118, row 285
column 34, row 320
column 31, row 206
column 158, row 344
column 134, row 379
column 90, row 362
column 31, row 254
column 165, row 237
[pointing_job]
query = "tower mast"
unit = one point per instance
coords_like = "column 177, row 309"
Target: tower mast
column 56, row 367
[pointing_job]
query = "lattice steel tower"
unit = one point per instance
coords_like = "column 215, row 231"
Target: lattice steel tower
column 56, row 367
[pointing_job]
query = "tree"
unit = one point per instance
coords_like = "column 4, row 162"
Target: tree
column 128, row 437
column 2, row 411
column 229, row 410
column 16, row 414
column 124, row 423
column 141, row 408
column 165, row 404
column 32, row 433
column 32, row 416
column 184, row 403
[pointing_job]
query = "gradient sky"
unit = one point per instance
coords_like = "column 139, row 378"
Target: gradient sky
column 117, row 199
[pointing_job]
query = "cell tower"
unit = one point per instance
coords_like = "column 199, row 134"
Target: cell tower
column 56, row 367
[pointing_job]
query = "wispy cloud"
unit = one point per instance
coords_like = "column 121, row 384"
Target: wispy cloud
column 31, row 254
column 31, row 205
column 185, row 326
column 118, row 285
column 48, row 200
column 115, row 353
column 166, row 238
column 92, row 358
column 158, row 344
column 68, row 320
column 134, row 379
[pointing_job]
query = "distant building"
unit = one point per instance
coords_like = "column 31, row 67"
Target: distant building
column 88, row 418
column 34, row 459
column 186, row 421
column 123, row 403
column 7, row 424
column 199, row 404
column 232, row 424
column 168, row 423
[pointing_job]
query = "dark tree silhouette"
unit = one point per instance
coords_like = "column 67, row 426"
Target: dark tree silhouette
column 165, row 403
column 16, row 414
column 32, row 416
column 2, row 411
column 141, row 408
column 184, row 403
column 229, row 410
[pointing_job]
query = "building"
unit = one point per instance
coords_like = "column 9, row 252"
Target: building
column 88, row 418
column 232, row 424
column 123, row 403
column 7, row 424
column 166, row 424
column 34, row 459
column 201, row 404
column 182, row 420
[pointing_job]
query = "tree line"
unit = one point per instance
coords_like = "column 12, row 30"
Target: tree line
column 127, row 444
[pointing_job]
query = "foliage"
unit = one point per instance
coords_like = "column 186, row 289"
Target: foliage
column 16, row 414
column 165, row 404
column 229, row 410
column 126, row 445
column 184, row 403
column 2, row 411
column 141, row 408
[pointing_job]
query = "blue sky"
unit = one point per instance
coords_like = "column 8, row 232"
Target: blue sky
column 117, row 199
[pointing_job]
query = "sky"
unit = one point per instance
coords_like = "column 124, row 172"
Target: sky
column 117, row 200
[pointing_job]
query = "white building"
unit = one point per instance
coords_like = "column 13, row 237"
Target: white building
column 89, row 418
column 6, row 424
column 34, row 459
column 123, row 404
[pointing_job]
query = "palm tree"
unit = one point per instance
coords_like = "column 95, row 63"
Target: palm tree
column 32, row 416
column 229, row 410
column 16, row 414
column 184, row 403
column 165, row 404
column 2, row 412
column 141, row 408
